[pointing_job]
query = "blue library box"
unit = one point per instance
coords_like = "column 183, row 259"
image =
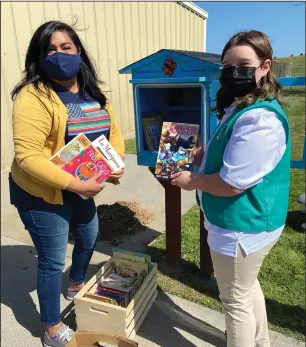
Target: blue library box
column 177, row 86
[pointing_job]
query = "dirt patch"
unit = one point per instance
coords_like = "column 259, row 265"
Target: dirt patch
column 122, row 219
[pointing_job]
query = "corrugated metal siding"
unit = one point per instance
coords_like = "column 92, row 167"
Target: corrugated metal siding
column 115, row 33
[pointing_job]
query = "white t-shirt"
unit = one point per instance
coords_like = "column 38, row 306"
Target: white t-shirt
column 256, row 146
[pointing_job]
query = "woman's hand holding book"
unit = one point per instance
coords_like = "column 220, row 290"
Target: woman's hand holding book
column 88, row 188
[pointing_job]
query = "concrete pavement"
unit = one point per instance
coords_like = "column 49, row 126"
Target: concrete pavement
column 172, row 322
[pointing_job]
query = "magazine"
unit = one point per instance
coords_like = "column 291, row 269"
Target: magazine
column 152, row 129
column 177, row 148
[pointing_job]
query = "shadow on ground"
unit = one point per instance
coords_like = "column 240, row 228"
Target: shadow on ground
column 18, row 280
column 165, row 321
column 18, row 276
column 295, row 220
column 189, row 274
column 18, row 283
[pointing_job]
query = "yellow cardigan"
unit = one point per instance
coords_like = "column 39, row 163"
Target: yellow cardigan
column 39, row 126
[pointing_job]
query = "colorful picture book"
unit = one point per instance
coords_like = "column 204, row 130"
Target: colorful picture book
column 152, row 129
column 177, row 148
column 74, row 148
column 129, row 268
column 133, row 256
column 87, row 164
column 83, row 159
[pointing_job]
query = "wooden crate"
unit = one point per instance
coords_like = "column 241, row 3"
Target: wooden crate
column 97, row 316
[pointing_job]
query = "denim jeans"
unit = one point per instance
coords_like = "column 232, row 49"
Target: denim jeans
column 48, row 226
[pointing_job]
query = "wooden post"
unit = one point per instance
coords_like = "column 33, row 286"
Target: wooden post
column 206, row 265
column 173, row 220
column 174, row 229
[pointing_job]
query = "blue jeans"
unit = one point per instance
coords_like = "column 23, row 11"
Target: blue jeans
column 48, row 226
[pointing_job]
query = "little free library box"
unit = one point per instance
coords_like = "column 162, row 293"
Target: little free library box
column 174, row 86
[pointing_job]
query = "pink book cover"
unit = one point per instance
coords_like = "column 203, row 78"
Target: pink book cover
column 87, row 163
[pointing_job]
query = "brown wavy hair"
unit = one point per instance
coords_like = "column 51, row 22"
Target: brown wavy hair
column 267, row 88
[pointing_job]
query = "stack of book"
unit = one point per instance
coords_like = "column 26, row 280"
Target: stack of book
column 115, row 290
column 83, row 159
column 125, row 276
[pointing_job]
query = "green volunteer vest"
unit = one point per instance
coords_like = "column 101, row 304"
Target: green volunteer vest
column 262, row 207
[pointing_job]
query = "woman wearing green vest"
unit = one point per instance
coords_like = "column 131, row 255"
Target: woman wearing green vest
column 243, row 183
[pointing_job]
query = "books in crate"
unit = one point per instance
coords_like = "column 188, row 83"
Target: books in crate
column 125, row 276
column 83, row 159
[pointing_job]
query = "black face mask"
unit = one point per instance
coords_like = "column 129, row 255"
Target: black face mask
column 238, row 80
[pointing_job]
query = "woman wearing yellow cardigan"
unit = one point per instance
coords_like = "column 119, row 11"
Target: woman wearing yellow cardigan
column 58, row 98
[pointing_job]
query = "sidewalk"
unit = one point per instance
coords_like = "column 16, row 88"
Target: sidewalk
column 172, row 322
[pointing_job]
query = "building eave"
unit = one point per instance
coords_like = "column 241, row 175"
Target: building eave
column 193, row 7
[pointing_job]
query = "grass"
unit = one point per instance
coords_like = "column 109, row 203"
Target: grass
column 130, row 146
column 298, row 65
column 283, row 273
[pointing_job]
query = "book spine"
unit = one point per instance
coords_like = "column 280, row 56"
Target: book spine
column 110, row 290
column 110, row 295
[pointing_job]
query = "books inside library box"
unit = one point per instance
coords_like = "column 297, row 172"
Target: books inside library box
column 83, row 159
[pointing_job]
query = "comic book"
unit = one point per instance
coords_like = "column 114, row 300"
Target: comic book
column 82, row 160
column 152, row 129
column 177, row 148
